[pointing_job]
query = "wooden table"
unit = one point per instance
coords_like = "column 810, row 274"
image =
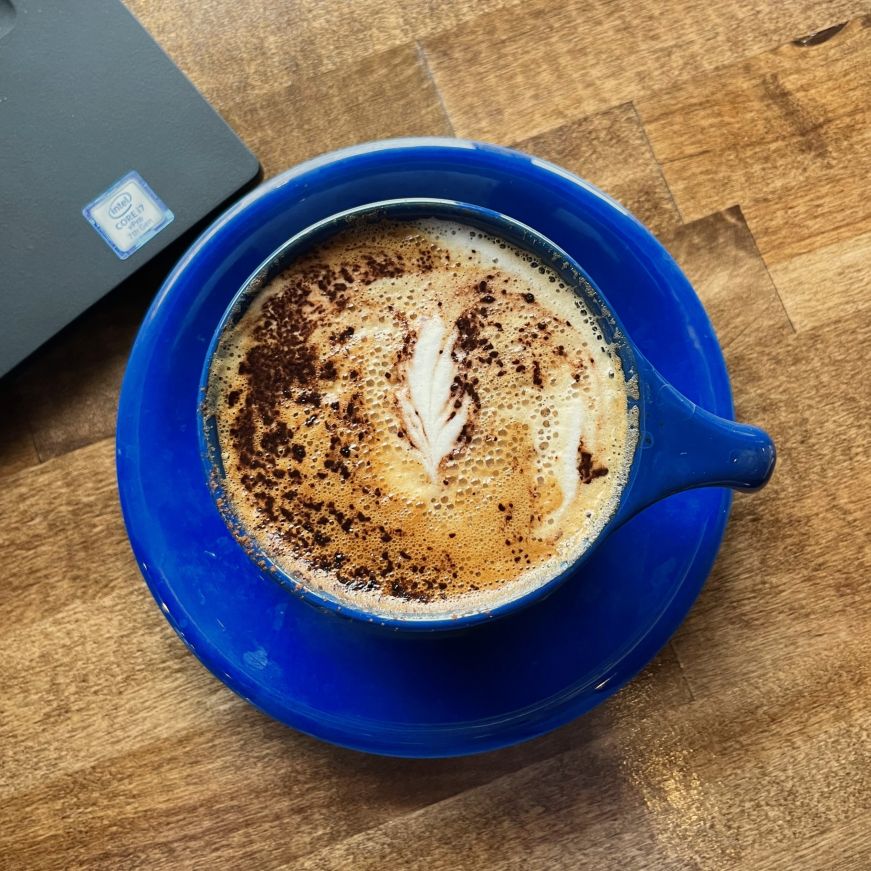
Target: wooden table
column 741, row 133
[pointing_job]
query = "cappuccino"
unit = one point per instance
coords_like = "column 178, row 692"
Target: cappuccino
column 418, row 418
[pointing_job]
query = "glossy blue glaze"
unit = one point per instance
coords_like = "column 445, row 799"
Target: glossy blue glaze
column 367, row 687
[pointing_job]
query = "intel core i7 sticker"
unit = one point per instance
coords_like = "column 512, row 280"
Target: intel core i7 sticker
column 128, row 214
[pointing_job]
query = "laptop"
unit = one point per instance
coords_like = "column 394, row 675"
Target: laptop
column 108, row 155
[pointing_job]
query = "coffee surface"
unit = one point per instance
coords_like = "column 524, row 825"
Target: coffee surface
column 419, row 418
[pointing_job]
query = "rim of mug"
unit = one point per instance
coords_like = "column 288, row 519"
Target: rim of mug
column 525, row 237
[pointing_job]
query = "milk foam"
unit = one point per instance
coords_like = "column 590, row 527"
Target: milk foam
column 421, row 420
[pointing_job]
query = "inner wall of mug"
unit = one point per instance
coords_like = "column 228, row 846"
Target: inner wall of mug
column 502, row 227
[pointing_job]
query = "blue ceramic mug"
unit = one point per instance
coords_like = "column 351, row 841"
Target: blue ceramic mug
column 679, row 446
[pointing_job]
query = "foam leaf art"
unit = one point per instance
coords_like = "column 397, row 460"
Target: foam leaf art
column 428, row 409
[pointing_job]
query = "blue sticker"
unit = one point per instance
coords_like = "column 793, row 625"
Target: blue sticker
column 128, row 214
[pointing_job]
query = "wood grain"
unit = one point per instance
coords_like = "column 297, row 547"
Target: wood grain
column 720, row 258
column 825, row 283
column 747, row 743
column 387, row 94
column 510, row 76
column 231, row 49
column 821, row 543
column 844, row 847
column 611, row 150
column 775, row 133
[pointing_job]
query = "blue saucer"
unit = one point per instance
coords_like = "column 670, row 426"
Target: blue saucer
column 365, row 687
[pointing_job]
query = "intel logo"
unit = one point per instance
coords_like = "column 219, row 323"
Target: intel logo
column 120, row 205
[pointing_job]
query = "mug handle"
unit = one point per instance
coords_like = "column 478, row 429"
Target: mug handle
column 682, row 446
